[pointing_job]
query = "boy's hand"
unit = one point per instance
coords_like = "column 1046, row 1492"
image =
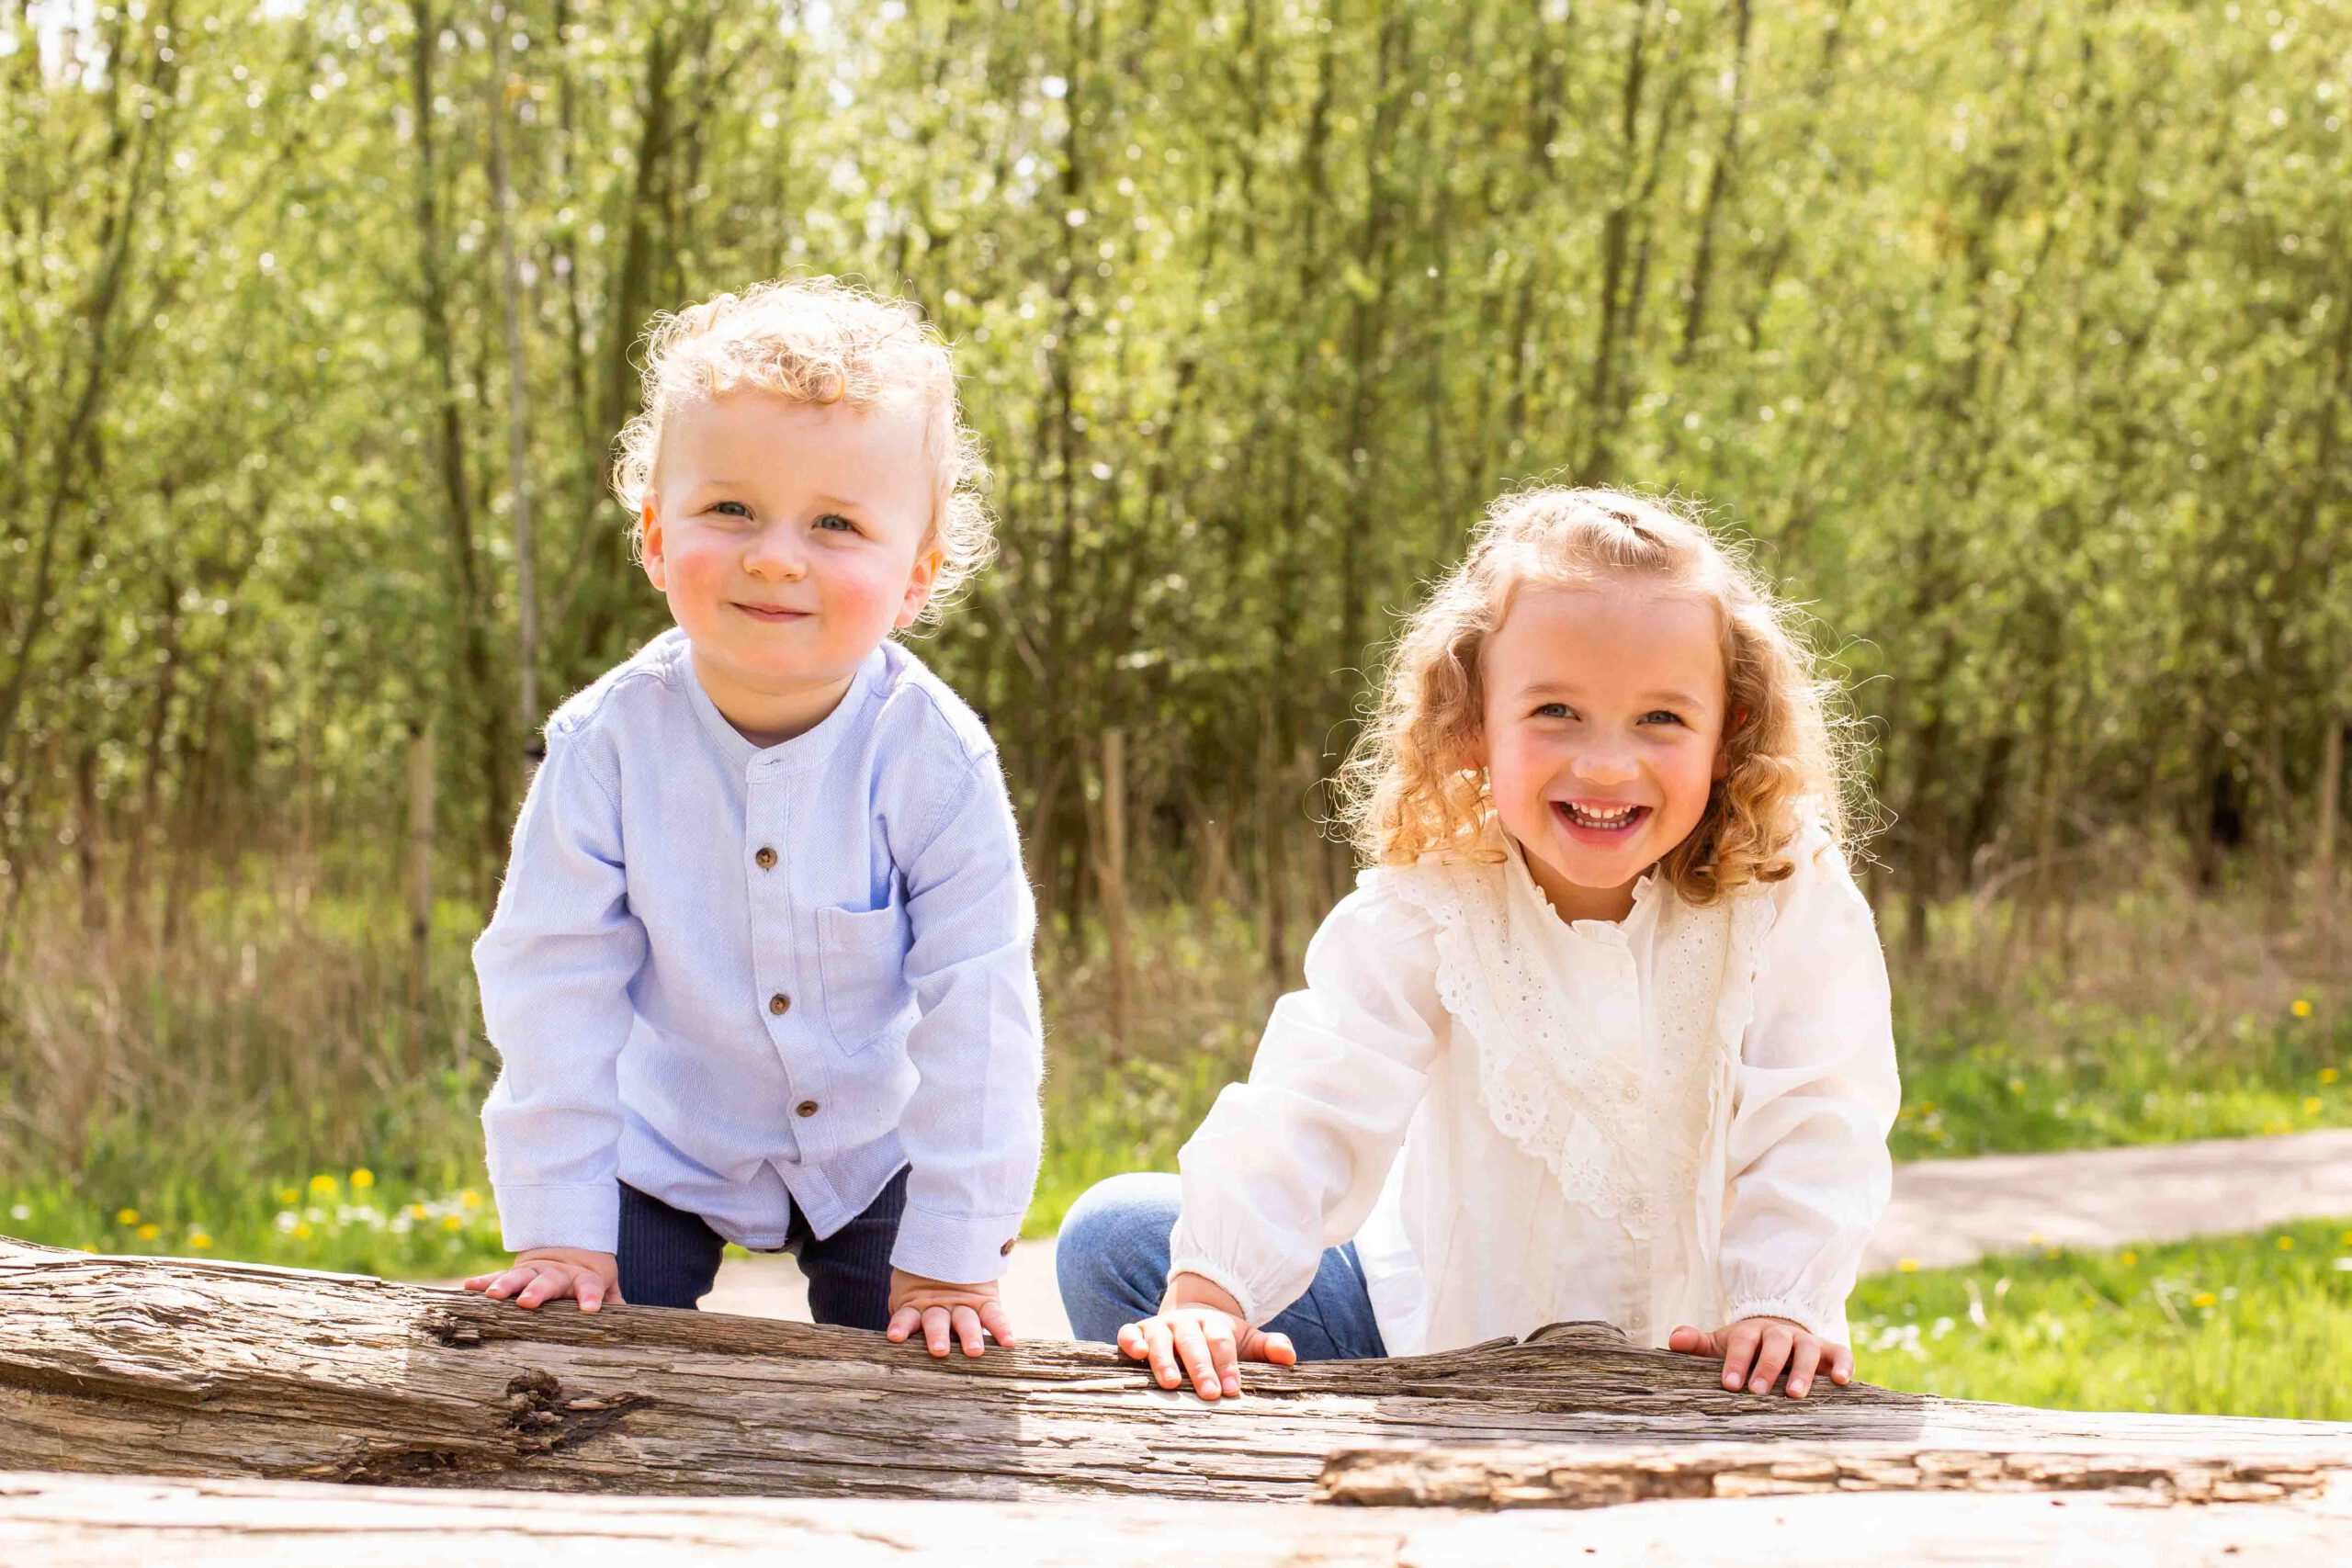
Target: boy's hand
column 1764, row 1345
column 549, row 1274
column 940, row 1309
column 1200, row 1326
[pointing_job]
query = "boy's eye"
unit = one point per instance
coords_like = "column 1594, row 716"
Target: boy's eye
column 836, row 522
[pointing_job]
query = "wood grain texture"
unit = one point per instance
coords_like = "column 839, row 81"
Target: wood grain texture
column 183, row 1368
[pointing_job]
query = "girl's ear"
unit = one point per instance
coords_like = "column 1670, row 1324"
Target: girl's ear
column 649, row 547
column 1723, row 749
column 926, row 572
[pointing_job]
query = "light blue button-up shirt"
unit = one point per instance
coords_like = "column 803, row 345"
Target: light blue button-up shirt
column 741, row 979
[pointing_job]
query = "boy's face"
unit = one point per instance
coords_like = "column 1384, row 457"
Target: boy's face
column 1602, row 734
column 789, row 540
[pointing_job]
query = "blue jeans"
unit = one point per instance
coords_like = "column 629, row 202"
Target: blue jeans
column 1112, row 1260
column 669, row 1258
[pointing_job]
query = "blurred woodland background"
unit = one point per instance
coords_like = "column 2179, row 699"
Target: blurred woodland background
column 2017, row 337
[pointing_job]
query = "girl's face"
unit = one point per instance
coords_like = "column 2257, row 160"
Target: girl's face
column 1603, row 733
column 789, row 538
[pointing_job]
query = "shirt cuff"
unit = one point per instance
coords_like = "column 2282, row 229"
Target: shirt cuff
column 955, row 1249
column 1830, row 1326
column 587, row 1216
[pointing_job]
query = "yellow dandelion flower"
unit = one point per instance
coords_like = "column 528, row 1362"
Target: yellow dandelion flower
column 2203, row 1299
column 362, row 1180
column 287, row 1195
column 149, row 1231
column 199, row 1240
column 323, row 1184
column 1906, row 1266
column 125, row 1216
column 2327, row 1075
column 2310, row 1105
column 2131, row 1259
column 469, row 1198
column 452, row 1223
column 2302, row 1008
column 414, row 1210
column 302, row 1230
column 2286, row 1244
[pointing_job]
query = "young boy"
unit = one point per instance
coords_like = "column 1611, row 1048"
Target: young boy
column 760, row 970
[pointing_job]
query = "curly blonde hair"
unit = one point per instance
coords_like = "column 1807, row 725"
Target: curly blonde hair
column 818, row 340
column 1407, row 789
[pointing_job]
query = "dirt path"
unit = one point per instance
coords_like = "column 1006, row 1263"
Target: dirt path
column 1944, row 1212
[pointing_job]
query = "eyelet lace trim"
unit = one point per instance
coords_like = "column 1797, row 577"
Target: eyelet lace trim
column 1592, row 1113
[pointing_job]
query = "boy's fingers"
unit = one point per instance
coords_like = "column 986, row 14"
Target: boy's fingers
column 934, row 1329
column 1193, row 1347
column 589, row 1292
column 903, row 1322
column 993, row 1319
column 1802, row 1365
column 967, row 1329
column 1779, row 1340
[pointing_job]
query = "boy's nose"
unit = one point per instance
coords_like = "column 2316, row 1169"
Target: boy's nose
column 774, row 560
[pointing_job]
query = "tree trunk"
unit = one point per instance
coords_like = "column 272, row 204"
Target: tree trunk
column 180, row 1366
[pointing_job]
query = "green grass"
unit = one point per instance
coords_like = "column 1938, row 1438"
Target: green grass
column 2239, row 1325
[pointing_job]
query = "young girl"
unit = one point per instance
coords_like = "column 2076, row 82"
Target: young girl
column 760, row 971
column 1610, row 988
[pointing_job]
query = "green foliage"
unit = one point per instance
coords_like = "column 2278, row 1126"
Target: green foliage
column 2230, row 1327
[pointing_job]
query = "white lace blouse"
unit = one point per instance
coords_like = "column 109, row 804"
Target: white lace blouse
column 1677, row 1118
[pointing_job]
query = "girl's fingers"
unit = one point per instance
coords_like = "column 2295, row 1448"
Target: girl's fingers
column 1692, row 1341
column 1802, row 1365
column 1160, row 1343
column 1194, row 1348
column 1277, row 1349
column 993, row 1319
column 1779, row 1340
column 1227, row 1358
column 1740, row 1351
column 967, row 1329
column 1131, row 1341
column 1841, row 1364
column 934, row 1329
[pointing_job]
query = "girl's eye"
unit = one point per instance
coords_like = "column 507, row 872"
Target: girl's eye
column 836, row 523
column 1661, row 716
column 1552, row 710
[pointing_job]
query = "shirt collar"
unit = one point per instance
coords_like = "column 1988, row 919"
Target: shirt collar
column 1609, row 934
column 812, row 746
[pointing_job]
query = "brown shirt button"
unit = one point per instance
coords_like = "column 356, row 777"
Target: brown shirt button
column 779, row 1004
column 805, row 1108
column 766, row 857
column 1006, row 1250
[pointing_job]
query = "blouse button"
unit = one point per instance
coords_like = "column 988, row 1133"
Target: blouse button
column 766, row 857
column 779, row 1004
column 805, row 1108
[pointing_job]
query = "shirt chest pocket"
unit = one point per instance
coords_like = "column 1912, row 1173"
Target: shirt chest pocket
column 862, row 954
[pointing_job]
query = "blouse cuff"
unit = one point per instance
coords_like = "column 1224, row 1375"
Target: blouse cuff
column 1830, row 1326
column 1188, row 1259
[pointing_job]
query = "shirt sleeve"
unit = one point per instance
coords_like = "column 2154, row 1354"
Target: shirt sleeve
column 555, row 967
column 1816, row 1093
column 973, row 1131
column 1290, row 1162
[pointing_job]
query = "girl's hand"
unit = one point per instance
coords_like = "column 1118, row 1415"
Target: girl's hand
column 1200, row 1326
column 937, row 1308
column 1766, row 1345
column 551, row 1273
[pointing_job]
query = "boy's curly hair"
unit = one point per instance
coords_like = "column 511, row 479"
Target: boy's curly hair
column 818, row 340
column 1407, row 788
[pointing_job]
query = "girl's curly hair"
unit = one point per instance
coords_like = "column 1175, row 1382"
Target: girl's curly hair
column 818, row 340
column 1407, row 789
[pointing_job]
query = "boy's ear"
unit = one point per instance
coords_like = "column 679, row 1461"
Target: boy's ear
column 649, row 547
column 925, row 573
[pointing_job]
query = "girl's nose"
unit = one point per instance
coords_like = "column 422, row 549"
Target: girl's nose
column 1604, row 768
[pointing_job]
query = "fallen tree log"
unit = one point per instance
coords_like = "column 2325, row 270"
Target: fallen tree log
column 174, row 1367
